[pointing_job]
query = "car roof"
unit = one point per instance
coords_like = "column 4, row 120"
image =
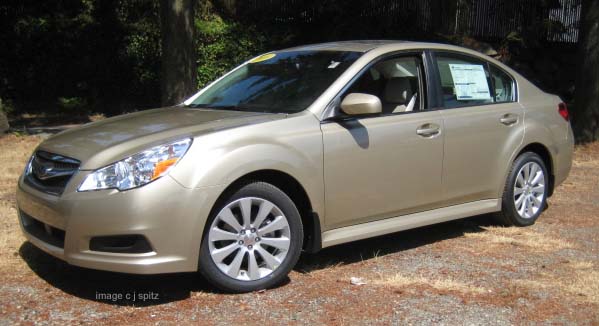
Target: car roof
column 368, row 45
column 356, row 46
column 365, row 46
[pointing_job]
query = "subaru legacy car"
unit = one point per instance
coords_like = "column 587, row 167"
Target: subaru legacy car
column 297, row 150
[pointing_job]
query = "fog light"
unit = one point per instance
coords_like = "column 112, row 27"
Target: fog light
column 127, row 244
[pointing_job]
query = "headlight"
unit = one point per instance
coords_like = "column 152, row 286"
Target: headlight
column 137, row 170
column 27, row 169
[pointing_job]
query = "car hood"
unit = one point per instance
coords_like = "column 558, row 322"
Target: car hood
column 100, row 143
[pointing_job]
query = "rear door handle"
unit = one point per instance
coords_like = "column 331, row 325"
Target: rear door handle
column 509, row 119
column 428, row 130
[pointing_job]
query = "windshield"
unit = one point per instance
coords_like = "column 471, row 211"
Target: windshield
column 278, row 82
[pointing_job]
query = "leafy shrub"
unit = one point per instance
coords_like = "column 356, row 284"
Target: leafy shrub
column 222, row 45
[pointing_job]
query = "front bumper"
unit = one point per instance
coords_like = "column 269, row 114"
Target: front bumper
column 170, row 216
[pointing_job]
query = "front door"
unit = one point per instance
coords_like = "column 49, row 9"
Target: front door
column 383, row 166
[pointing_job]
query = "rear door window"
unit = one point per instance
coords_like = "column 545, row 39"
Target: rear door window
column 464, row 81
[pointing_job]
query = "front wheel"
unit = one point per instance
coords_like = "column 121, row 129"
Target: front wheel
column 253, row 241
column 525, row 193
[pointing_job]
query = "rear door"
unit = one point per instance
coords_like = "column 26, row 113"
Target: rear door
column 388, row 164
column 483, row 126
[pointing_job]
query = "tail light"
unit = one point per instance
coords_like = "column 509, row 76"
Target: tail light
column 562, row 108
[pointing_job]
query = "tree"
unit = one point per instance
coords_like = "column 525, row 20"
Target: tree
column 586, row 111
column 3, row 120
column 178, row 72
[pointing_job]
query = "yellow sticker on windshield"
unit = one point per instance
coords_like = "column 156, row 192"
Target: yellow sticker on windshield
column 263, row 57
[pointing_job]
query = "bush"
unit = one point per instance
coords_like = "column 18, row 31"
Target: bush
column 223, row 45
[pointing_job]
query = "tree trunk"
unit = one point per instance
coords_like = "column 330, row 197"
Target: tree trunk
column 178, row 80
column 3, row 121
column 585, row 115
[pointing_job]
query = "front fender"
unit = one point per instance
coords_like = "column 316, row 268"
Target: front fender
column 292, row 146
column 223, row 168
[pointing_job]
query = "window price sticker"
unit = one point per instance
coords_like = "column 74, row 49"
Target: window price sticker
column 470, row 82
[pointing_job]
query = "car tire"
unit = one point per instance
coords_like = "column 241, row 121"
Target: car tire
column 525, row 193
column 250, row 265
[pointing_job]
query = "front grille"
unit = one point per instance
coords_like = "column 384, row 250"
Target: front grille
column 42, row 231
column 50, row 173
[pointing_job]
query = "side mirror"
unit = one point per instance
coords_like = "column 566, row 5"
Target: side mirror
column 359, row 103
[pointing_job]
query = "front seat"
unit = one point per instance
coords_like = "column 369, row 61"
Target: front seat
column 400, row 95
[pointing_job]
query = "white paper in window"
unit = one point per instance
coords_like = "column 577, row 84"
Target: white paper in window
column 470, row 82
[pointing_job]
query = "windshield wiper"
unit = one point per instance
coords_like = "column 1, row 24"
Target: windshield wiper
column 201, row 106
column 224, row 107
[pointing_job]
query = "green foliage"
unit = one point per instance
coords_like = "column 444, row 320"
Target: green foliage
column 222, row 45
column 6, row 107
column 71, row 104
column 141, row 43
column 104, row 52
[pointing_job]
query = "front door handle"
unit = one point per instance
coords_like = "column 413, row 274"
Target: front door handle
column 428, row 130
column 509, row 119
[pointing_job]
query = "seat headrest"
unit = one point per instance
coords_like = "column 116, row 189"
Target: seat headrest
column 398, row 90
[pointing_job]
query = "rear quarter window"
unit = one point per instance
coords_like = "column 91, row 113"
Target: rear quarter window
column 503, row 85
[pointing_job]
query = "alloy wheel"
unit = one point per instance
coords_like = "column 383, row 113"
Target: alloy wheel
column 249, row 239
column 529, row 190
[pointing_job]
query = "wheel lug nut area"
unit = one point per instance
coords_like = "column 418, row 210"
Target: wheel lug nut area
column 248, row 238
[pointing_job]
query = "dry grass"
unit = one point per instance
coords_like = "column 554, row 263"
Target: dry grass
column 581, row 280
column 520, row 237
column 439, row 283
column 585, row 283
column 587, row 154
column 97, row 117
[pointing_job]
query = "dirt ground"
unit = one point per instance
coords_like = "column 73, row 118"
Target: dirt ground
column 466, row 272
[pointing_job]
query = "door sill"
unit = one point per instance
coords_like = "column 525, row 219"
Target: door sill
column 406, row 222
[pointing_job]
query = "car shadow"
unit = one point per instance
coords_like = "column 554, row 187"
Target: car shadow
column 358, row 132
column 150, row 290
column 113, row 288
column 377, row 247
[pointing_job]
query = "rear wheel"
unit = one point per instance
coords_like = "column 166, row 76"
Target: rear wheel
column 525, row 193
column 253, row 240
